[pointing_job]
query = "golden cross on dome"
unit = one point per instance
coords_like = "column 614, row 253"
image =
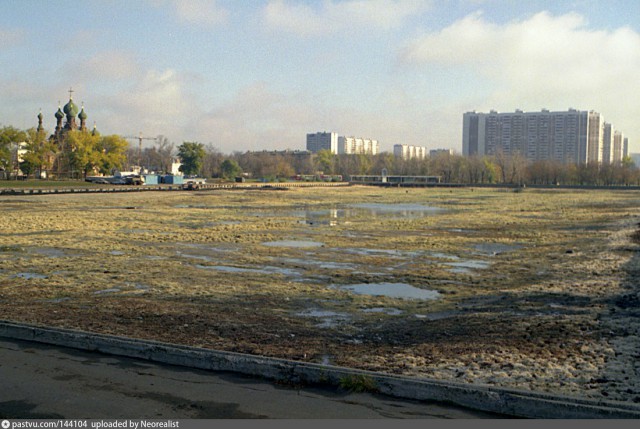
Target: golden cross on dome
column 70, row 91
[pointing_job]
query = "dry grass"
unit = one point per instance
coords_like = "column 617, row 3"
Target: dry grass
column 192, row 268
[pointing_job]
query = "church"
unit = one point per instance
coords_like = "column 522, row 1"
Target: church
column 60, row 161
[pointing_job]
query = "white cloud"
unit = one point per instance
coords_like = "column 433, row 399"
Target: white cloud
column 256, row 118
column 333, row 16
column 201, row 11
column 155, row 103
column 111, row 65
column 544, row 61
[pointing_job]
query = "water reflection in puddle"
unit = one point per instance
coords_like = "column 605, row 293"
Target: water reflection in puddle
column 335, row 216
column 466, row 267
column 106, row 291
column 389, row 311
column 328, row 319
column 30, row 276
column 391, row 290
column 328, row 265
column 403, row 210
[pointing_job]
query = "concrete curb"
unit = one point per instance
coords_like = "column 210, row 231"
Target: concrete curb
column 511, row 402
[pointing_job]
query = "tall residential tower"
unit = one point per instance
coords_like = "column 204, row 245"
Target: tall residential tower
column 570, row 136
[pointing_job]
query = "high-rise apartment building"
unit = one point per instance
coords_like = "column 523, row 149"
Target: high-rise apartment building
column 570, row 136
column 405, row 151
column 322, row 141
column 607, row 144
column 357, row 145
column 618, row 146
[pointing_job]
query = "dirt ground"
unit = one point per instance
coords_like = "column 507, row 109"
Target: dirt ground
column 536, row 289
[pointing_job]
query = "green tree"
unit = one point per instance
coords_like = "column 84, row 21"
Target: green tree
column 326, row 161
column 84, row 153
column 111, row 153
column 40, row 152
column 192, row 156
column 230, row 169
column 9, row 136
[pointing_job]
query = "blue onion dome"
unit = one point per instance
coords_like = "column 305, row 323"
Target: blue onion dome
column 59, row 114
column 70, row 108
column 82, row 114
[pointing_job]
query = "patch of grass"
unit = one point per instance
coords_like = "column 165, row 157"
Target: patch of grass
column 358, row 383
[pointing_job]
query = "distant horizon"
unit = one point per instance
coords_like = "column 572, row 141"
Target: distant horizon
column 252, row 76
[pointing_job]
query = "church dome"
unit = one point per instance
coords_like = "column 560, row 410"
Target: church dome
column 82, row 114
column 70, row 109
column 59, row 114
column 40, row 115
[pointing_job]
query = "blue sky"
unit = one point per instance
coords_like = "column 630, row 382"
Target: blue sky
column 253, row 75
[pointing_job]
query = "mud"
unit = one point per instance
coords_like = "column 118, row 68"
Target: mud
column 536, row 290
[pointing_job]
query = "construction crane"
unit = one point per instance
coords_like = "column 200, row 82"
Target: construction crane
column 140, row 138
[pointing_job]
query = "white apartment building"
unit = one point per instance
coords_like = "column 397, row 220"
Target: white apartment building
column 618, row 146
column 570, row 136
column 322, row 141
column 405, row 151
column 357, row 145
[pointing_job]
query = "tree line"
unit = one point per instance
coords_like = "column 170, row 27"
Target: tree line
column 451, row 168
column 86, row 153
column 76, row 154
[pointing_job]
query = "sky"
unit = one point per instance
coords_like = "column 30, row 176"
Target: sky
column 261, row 74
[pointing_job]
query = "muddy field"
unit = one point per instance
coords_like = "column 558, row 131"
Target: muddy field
column 535, row 289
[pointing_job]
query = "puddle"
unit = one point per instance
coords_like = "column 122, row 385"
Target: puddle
column 466, row 267
column 200, row 257
column 391, row 290
column 436, row 316
column 403, row 210
column 328, row 319
column 441, row 255
column 116, row 253
column 379, row 252
column 265, row 270
column 328, row 265
column 106, row 291
column 384, row 310
column 58, row 300
column 492, row 249
column 292, row 243
column 336, row 216
column 30, row 276
column 50, row 252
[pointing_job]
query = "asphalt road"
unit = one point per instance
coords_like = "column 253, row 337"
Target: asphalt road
column 42, row 382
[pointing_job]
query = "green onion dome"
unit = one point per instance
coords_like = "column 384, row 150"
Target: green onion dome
column 59, row 114
column 82, row 114
column 70, row 109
